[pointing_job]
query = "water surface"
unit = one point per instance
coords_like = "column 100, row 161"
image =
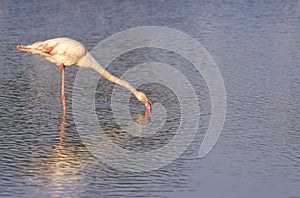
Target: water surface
column 256, row 47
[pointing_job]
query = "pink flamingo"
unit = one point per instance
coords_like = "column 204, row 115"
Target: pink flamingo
column 67, row 52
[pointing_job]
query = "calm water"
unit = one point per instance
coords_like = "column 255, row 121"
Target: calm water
column 256, row 46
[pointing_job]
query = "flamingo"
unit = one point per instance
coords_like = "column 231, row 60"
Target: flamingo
column 68, row 52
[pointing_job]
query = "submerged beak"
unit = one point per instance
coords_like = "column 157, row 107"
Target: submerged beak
column 148, row 104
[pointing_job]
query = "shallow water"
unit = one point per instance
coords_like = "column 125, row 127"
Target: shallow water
column 256, row 47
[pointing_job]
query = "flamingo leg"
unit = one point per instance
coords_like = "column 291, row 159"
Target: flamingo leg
column 62, row 129
column 63, row 97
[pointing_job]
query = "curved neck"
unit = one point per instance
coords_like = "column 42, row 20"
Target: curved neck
column 89, row 62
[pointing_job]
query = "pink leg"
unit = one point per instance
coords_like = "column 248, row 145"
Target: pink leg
column 63, row 97
column 62, row 129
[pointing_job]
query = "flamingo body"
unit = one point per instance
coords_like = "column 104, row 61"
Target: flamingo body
column 58, row 50
column 67, row 52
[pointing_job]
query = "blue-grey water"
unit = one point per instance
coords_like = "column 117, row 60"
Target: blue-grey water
column 256, row 46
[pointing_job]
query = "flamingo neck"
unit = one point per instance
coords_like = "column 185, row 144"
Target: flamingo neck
column 88, row 61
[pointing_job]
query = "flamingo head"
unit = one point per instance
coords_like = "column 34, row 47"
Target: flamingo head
column 143, row 98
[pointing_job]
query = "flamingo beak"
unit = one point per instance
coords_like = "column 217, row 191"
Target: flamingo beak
column 148, row 104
